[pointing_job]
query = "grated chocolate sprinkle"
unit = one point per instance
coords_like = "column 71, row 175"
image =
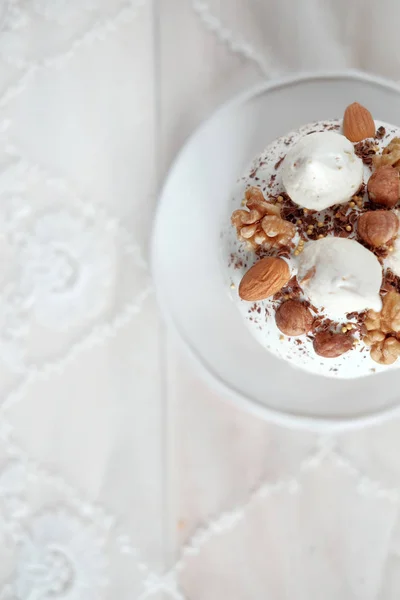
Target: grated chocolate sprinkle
column 235, row 261
column 390, row 282
column 278, row 163
column 292, row 289
column 324, row 324
column 380, row 132
column 366, row 151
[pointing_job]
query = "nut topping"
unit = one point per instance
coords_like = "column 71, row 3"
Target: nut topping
column 332, row 345
column 388, row 320
column 390, row 155
column 261, row 224
column 293, row 318
column 383, row 186
column 386, row 352
column 358, row 123
column 381, row 328
column 377, row 227
column 264, row 279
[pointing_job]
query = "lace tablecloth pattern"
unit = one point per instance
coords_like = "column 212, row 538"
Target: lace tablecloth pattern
column 121, row 474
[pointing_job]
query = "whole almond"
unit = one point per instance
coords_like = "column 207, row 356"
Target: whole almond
column 358, row 123
column 383, row 186
column 264, row 279
column 293, row 318
column 332, row 345
column 376, row 227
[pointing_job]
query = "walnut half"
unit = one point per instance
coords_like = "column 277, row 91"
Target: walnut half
column 390, row 155
column 386, row 352
column 388, row 320
column 262, row 224
column 382, row 328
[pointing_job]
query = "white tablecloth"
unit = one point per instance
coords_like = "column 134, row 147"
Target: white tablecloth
column 121, row 475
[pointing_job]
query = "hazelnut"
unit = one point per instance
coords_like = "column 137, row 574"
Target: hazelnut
column 377, row 227
column 383, row 186
column 332, row 345
column 293, row 318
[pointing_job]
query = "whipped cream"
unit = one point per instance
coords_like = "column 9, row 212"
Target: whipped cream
column 321, row 170
column 341, row 276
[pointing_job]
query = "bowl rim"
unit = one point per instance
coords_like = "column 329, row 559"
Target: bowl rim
column 223, row 388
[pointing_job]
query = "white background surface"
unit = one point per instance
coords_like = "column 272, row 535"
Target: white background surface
column 121, row 475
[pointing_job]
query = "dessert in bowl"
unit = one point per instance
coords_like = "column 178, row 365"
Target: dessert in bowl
column 312, row 249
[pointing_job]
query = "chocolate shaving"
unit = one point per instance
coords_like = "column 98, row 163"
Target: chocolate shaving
column 380, row 252
column 235, row 261
column 332, row 127
column 290, row 211
column 278, row 164
column 291, row 289
column 380, row 132
column 390, row 282
column 352, row 315
column 284, row 252
column 358, row 326
column 353, row 218
column 362, row 190
column 366, row 151
column 324, row 324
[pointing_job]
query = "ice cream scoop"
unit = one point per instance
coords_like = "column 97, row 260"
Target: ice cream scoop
column 341, row 276
column 321, row 170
